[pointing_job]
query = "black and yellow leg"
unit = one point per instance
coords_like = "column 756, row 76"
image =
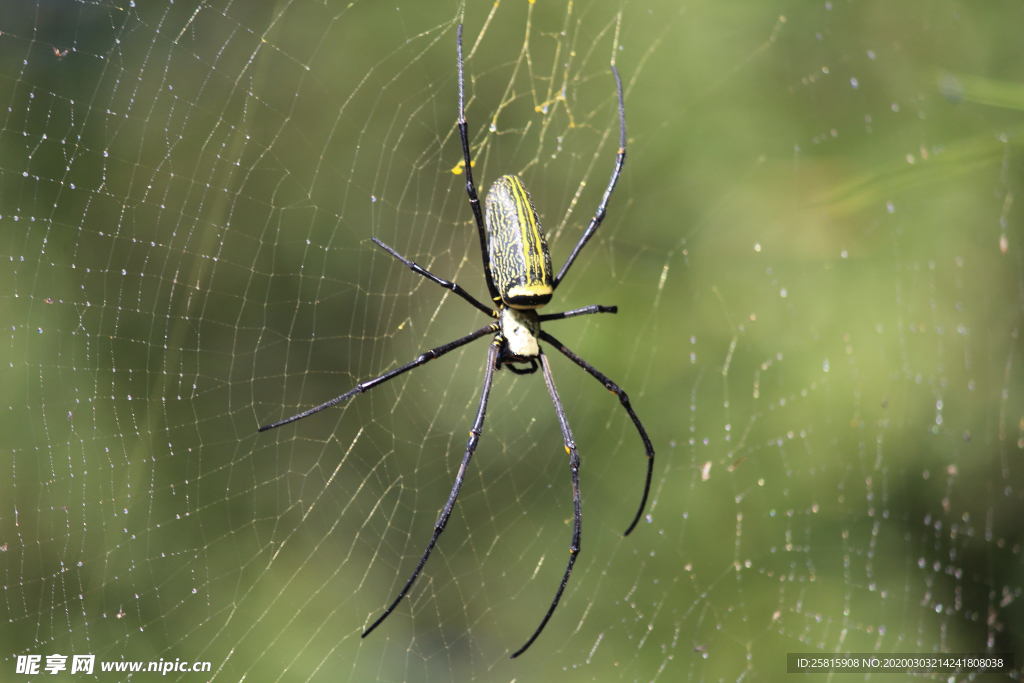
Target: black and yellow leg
column 588, row 310
column 420, row 270
column 442, row 521
column 624, row 400
column 371, row 383
column 602, row 208
column 577, row 517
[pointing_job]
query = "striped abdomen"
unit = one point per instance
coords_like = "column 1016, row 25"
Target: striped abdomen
column 520, row 261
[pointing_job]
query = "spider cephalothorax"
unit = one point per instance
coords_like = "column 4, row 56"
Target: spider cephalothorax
column 519, row 330
column 518, row 275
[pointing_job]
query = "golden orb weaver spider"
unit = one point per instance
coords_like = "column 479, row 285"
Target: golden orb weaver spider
column 517, row 269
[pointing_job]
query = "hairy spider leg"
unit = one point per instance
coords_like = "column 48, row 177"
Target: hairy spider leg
column 624, row 400
column 574, row 469
column 442, row 521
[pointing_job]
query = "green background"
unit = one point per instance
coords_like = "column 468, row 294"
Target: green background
column 814, row 248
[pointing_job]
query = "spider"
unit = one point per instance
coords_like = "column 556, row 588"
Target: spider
column 517, row 270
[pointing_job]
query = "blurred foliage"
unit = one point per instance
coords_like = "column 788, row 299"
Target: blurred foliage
column 817, row 260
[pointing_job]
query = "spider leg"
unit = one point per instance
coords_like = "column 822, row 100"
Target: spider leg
column 624, row 400
column 474, row 200
column 420, row 270
column 474, row 439
column 579, row 311
column 602, row 208
column 574, row 468
column 371, row 383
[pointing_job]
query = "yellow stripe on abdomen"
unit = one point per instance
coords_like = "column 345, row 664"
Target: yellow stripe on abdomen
column 516, row 247
column 530, row 231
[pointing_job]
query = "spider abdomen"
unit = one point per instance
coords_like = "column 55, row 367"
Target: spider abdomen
column 519, row 256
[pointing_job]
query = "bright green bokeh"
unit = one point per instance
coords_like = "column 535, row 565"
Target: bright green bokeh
column 817, row 258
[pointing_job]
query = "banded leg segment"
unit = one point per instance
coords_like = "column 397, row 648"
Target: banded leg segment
column 442, row 521
column 474, row 200
column 420, row 270
column 574, row 469
column 587, row 310
column 602, row 208
column 371, row 383
column 624, row 400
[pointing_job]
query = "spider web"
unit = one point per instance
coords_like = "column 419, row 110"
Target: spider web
column 816, row 258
